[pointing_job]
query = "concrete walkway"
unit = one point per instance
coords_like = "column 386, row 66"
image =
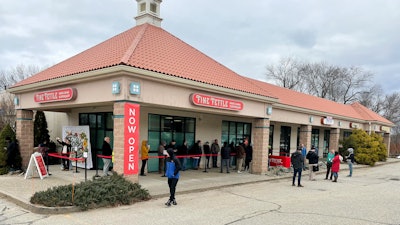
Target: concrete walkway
column 19, row 190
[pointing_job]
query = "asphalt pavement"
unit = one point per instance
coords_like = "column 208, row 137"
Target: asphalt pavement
column 19, row 190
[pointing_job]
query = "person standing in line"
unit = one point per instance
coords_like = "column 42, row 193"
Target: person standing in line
column 240, row 153
column 207, row 152
column 350, row 161
column 297, row 161
column 13, row 153
column 214, row 151
column 336, row 166
column 312, row 161
column 304, row 153
column 225, row 156
column 106, row 151
column 249, row 154
column 173, row 167
column 66, row 149
column 329, row 159
column 233, row 154
column 196, row 152
column 161, row 157
column 182, row 153
column 145, row 156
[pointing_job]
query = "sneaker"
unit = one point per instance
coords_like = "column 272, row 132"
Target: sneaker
column 239, row 171
column 168, row 203
column 293, row 185
column 174, row 202
column 300, row 185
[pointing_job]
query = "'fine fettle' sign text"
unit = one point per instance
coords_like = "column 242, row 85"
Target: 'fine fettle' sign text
column 215, row 102
column 65, row 94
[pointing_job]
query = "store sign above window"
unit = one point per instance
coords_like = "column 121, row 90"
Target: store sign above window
column 354, row 125
column 385, row 129
column 215, row 102
column 327, row 120
column 59, row 95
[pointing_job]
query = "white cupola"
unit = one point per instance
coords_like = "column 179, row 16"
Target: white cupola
column 148, row 11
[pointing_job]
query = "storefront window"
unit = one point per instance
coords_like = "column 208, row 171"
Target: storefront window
column 327, row 137
column 235, row 132
column 284, row 145
column 315, row 138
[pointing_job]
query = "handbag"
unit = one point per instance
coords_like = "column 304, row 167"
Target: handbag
column 315, row 168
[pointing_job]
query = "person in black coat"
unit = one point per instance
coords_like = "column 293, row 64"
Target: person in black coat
column 207, row 152
column 249, row 154
column 106, row 151
column 297, row 161
column 312, row 157
column 225, row 156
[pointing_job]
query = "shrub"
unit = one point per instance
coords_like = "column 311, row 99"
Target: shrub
column 101, row 192
column 6, row 132
column 368, row 149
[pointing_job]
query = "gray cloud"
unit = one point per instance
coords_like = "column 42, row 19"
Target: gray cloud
column 245, row 36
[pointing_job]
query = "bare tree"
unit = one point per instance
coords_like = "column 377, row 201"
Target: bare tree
column 9, row 78
column 372, row 98
column 14, row 75
column 287, row 74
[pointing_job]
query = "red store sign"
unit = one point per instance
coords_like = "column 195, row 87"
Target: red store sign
column 131, row 138
column 65, row 94
column 215, row 102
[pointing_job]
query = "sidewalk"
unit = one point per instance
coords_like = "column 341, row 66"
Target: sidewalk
column 19, row 190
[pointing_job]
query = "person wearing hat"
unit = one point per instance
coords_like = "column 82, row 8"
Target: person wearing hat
column 297, row 161
column 173, row 167
column 350, row 161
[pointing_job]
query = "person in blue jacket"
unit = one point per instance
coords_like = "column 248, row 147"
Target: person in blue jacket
column 173, row 167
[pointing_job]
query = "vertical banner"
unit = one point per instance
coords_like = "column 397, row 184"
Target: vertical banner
column 79, row 136
column 131, row 138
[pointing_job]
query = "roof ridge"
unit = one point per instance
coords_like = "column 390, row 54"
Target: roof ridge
column 129, row 52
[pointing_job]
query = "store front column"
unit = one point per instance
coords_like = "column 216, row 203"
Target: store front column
column 120, row 153
column 334, row 139
column 386, row 141
column 24, row 134
column 305, row 136
column 260, row 146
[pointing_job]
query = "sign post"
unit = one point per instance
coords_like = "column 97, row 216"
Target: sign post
column 37, row 161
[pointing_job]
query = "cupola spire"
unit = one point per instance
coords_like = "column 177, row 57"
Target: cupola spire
column 148, row 11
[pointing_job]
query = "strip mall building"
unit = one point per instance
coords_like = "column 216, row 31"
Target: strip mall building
column 147, row 84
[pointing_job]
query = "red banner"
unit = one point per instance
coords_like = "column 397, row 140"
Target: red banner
column 131, row 138
column 65, row 94
column 41, row 165
column 275, row 160
column 215, row 102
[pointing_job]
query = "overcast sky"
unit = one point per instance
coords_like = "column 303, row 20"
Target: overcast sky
column 245, row 36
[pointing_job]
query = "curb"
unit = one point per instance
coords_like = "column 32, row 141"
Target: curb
column 71, row 209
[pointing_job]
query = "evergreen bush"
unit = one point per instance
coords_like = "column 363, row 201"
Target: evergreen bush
column 368, row 149
column 40, row 131
column 101, row 192
column 6, row 132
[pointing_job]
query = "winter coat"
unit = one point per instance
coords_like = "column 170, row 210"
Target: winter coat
column 240, row 152
column 335, row 164
column 145, row 150
column 226, row 152
column 297, row 160
column 312, row 157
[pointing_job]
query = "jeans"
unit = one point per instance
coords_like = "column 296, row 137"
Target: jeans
column 195, row 163
column 215, row 160
column 183, row 163
column 295, row 172
column 350, row 169
column 106, row 167
column 172, row 182
column 225, row 162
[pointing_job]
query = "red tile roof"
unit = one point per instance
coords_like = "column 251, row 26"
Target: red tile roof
column 152, row 48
